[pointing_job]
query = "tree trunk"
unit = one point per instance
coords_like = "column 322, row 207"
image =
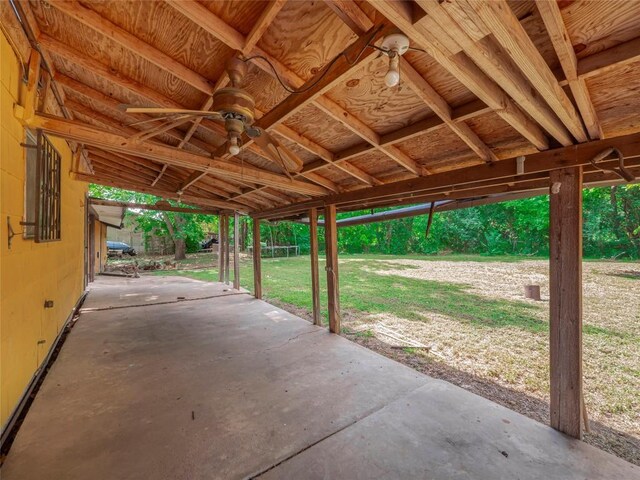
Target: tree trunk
column 179, row 243
column 181, row 248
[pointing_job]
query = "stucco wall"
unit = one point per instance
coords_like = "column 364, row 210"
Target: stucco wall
column 30, row 272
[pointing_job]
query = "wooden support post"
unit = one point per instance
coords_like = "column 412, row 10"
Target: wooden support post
column 257, row 260
column 565, row 316
column 333, row 288
column 315, row 280
column 221, row 248
column 226, row 249
column 236, row 251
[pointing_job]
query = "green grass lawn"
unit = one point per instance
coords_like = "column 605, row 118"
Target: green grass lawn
column 288, row 281
column 363, row 289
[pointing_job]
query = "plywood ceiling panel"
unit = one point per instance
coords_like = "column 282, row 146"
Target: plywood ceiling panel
column 122, row 61
column 433, row 146
column 449, row 88
column 305, row 36
column 596, row 25
column 384, row 109
column 159, row 25
column 322, row 129
column 376, row 163
column 616, row 98
column 240, row 14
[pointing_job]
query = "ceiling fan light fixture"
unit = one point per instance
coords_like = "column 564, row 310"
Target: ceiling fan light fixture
column 234, row 148
column 392, row 78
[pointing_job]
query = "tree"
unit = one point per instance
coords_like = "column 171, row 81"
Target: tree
column 186, row 230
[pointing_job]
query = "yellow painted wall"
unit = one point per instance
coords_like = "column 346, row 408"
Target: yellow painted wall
column 30, row 272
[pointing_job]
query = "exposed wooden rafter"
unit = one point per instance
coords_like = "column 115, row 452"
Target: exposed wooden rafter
column 161, row 60
column 552, row 18
column 495, row 65
column 108, row 141
column 511, row 35
column 210, row 22
column 462, row 68
column 537, row 165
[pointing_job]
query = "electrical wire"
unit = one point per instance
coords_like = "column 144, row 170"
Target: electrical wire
column 326, row 69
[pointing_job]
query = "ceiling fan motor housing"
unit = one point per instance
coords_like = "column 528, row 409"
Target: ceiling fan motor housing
column 234, row 103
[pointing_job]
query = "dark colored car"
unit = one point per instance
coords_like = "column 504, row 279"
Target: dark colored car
column 209, row 243
column 120, row 248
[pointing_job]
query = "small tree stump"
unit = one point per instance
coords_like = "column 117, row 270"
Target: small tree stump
column 532, row 292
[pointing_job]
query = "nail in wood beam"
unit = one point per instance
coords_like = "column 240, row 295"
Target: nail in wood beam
column 257, row 260
column 315, row 280
column 333, row 287
column 565, row 308
column 236, row 251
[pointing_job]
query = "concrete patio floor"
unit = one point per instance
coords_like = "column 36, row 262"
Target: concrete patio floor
column 231, row 387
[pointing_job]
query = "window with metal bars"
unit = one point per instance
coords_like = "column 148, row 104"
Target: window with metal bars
column 42, row 199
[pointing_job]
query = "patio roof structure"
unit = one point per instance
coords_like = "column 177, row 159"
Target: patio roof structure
column 495, row 97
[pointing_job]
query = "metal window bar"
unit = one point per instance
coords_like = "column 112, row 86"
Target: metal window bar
column 47, row 228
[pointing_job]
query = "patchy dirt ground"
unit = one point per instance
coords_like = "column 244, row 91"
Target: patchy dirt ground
column 509, row 365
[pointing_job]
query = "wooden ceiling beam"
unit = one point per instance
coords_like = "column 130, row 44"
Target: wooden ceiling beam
column 607, row 60
column 147, row 206
column 536, row 165
column 103, row 166
column 557, row 30
column 513, row 38
column 111, row 181
column 210, row 22
column 211, row 186
column 267, row 16
column 91, row 136
column 201, row 15
column 140, row 164
column 320, row 180
column 351, row 14
column 464, row 70
column 484, row 53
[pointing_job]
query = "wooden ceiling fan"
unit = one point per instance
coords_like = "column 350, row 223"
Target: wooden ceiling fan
column 236, row 108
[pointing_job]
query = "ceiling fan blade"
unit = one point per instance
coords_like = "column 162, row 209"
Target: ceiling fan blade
column 277, row 152
column 166, row 117
column 171, row 111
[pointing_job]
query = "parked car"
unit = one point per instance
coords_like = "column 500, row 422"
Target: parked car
column 209, row 243
column 119, row 249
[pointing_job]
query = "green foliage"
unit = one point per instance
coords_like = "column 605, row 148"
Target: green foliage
column 191, row 228
column 520, row 227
